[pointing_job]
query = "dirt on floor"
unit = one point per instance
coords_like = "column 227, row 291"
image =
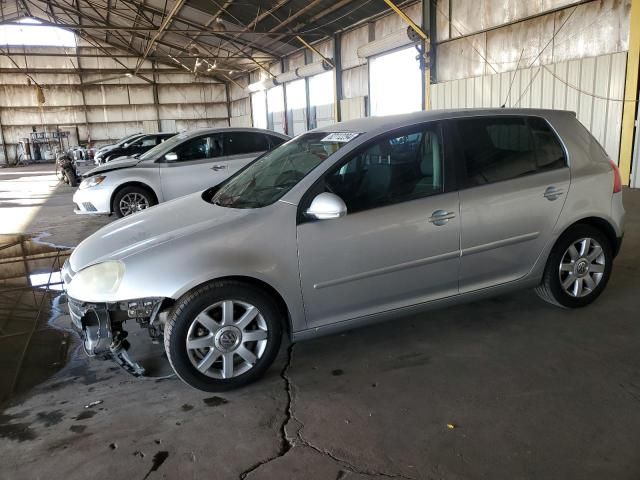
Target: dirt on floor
column 503, row 388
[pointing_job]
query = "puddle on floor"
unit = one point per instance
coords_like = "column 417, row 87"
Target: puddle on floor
column 36, row 337
column 32, row 346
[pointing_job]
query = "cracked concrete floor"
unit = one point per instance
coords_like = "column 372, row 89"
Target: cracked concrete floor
column 531, row 391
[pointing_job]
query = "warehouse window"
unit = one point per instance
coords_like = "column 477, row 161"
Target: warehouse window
column 396, row 85
column 297, row 106
column 33, row 33
column 275, row 108
column 321, row 89
column 321, row 93
column 259, row 109
column 296, row 95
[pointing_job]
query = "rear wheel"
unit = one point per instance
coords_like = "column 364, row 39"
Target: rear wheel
column 578, row 268
column 222, row 335
column 132, row 199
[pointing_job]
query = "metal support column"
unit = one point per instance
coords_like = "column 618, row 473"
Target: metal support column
column 227, row 93
column 629, row 119
column 286, row 126
column 337, row 75
column 156, row 101
column 4, row 145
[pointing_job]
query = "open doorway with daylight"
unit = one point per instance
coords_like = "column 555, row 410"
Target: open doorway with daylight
column 395, row 83
column 259, row 109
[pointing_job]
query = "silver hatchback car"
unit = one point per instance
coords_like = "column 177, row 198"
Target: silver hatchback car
column 346, row 225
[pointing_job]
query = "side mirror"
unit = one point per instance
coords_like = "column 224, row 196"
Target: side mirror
column 326, row 206
column 171, row 157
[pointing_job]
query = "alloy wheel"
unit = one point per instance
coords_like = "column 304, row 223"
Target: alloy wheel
column 582, row 267
column 226, row 339
column 133, row 202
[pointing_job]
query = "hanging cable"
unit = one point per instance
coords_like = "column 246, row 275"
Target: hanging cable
column 541, row 51
column 513, row 77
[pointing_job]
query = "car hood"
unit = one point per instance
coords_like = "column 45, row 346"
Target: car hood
column 113, row 165
column 162, row 223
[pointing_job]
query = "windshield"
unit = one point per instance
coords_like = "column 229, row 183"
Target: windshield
column 274, row 174
column 164, row 147
column 124, row 140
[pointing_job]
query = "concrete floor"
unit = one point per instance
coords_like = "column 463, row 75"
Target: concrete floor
column 530, row 390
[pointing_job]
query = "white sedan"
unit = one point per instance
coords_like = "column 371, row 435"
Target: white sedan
column 186, row 163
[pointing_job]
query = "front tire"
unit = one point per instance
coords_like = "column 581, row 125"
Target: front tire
column 222, row 335
column 578, row 268
column 132, row 199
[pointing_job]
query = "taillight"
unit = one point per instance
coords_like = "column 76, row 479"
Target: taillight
column 617, row 181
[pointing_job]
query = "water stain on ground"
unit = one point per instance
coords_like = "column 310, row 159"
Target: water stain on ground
column 214, row 401
column 18, row 431
column 85, row 415
column 78, row 428
column 49, row 419
column 32, row 346
column 186, row 407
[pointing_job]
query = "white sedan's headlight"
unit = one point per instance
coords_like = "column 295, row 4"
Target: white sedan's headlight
column 92, row 181
column 98, row 282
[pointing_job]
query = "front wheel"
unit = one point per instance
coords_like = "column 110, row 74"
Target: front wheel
column 578, row 268
column 132, row 199
column 222, row 335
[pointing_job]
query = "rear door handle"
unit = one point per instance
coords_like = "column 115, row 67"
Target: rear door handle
column 218, row 167
column 552, row 193
column 441, row 217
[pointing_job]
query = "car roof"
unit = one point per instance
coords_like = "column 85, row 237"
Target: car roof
column 204, row 130
column 381, row 124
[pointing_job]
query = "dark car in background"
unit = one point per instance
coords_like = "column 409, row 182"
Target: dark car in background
column 136, row 146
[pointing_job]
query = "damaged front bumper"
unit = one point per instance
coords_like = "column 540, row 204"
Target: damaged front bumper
column 101, row 327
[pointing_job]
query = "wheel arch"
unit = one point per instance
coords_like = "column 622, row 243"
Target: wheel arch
column 601, row 224
column 263, row 286
column 132, row 184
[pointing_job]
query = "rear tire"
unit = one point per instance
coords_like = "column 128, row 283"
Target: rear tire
column 72, row 180
column 223, row 335
column 578, row 268
column 132, row 199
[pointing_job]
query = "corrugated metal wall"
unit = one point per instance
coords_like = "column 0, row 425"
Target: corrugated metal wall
column 560, row 54
column 104, row 111
column 592, row 87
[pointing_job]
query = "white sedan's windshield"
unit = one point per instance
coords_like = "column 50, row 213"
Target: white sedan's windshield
column 274, row 174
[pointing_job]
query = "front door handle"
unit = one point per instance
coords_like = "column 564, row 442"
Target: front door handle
column 218, row 167
column 552, row 193
column 441, row 217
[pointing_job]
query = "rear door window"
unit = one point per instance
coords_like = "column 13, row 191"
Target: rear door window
column 501, row 148
column 238, row 143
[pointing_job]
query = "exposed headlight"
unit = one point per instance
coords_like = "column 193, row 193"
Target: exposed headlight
column 98, row 282
column 92, row 181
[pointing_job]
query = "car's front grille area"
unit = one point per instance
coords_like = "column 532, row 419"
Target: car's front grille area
column 88, row 206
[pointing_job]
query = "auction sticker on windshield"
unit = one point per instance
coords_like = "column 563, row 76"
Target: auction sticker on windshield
column 342, row 137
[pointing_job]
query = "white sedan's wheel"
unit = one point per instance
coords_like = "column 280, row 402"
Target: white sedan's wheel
column 132, row 199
